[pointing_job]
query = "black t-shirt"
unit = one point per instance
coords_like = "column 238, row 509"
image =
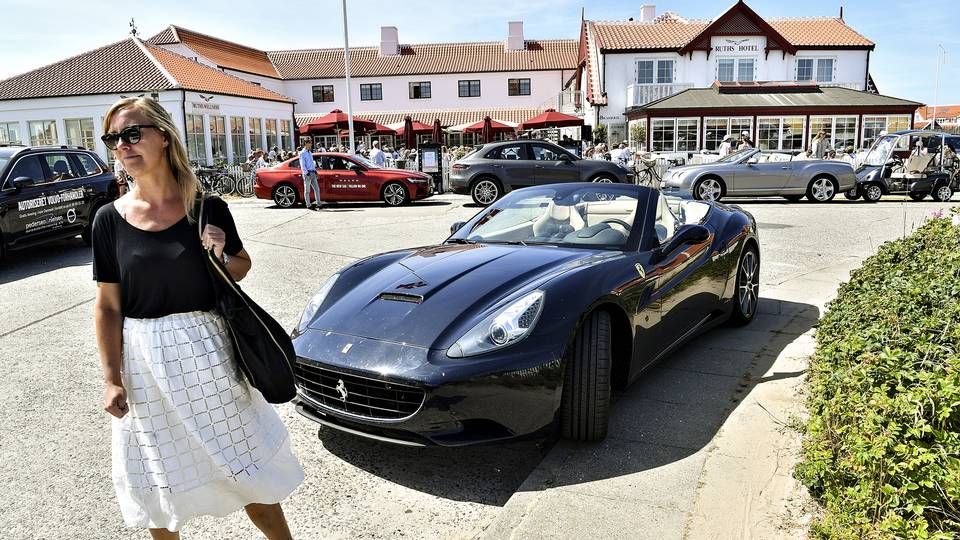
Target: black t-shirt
column 159, row 272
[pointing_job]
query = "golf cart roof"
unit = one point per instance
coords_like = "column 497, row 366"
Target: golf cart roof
column 923, row 133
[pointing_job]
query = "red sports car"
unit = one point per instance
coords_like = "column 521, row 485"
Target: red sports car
column 342, row 177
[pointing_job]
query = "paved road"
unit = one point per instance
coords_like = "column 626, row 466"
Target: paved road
column 54, row 438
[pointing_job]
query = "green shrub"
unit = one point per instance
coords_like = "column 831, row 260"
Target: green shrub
column 882, row 448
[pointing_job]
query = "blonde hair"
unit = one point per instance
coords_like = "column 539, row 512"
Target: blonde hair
column 176, row 151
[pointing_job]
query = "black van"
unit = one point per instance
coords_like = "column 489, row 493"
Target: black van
column 50, row 192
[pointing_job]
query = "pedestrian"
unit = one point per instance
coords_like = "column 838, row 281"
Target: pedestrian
column 272, row 156
column 123, row 179
column 820, row 145
column 376, row 155
column 308, row 170
column 745, row 141
column 621, row 154
column 726, row 147
column 190, row 436
column 362, row 148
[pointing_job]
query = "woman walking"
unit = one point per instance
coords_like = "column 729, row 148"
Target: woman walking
column 190, row 436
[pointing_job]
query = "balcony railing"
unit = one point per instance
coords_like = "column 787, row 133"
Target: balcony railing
column 639, row 95
column 568, row 102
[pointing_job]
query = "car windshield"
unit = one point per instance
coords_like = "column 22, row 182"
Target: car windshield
column 734, row 156
column 3, row 162
column 877, row 155
column 364, row 161
column 589, row 217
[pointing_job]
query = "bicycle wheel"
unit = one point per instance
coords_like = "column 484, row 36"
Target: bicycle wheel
column 223, row 184
column 645, row 178
column 245, row 186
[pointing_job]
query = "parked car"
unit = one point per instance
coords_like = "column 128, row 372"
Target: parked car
column 529, row 312
column 50, row 192
column 342, row 177
column 758, row 173
column 896, row 164
column 494, row 169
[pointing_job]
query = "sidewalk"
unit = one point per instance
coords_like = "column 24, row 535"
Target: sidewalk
column 698, row 447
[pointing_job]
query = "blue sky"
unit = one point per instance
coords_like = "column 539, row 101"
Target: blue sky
column 903, row 64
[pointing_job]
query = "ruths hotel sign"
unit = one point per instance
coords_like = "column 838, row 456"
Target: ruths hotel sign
column 742, row 45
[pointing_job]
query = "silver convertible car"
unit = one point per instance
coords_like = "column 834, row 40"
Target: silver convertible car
column 754, row 173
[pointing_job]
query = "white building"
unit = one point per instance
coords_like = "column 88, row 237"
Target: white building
column 624, row 66
column 219, row 115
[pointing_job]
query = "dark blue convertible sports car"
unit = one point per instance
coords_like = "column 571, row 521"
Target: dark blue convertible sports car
column 525, row 318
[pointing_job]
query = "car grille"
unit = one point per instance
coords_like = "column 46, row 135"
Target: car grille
column 365, row 397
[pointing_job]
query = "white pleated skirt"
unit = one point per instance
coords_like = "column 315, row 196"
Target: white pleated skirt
column 197, row 440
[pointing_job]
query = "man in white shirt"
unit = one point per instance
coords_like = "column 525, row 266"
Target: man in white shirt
column 376, row 155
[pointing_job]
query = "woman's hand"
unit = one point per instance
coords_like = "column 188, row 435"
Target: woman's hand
column 115, row 400
column 214, row 238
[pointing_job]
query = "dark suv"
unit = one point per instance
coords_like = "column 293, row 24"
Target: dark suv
column 494, row 169
column 50, row 192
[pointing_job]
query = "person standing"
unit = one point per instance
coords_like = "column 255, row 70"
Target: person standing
column 820, row 145
column 726, row 147
column 123, row 179
column 376, row 155
column 190, row 436
column 745, row 141
column 308, row 169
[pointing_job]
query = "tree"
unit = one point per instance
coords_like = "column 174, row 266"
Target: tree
column 600, row 134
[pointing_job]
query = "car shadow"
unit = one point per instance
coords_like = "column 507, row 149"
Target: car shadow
column 674, row 410
column 360, row 205
column 45, row 257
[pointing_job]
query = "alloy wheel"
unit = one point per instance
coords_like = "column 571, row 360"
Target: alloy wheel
column 709, row 190
column 822, row 189
column 944, row 193
column 748, row 285
column 394, row 194
column 485, row 192
column 873, row 193
column 603, row 180
column 285, row 196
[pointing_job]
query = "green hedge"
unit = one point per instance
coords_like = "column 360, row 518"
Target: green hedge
column 882, row 445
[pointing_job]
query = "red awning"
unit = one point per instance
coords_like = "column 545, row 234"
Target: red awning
column 337, row 119
column 419, row 128
column 550, row 118
column 497, row 127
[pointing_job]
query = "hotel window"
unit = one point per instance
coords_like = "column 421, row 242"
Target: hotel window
column 271, row 134
column 80, row 132
column 781, row 133
column 10, row 133
column 841, row 130
column 237, row 138
column 218, row 137
column 196, row 149
column 420, row 90
column 469, row 88
column 255, row 132
column 518, row 87
column 674, row 134
column 42, row 132
column 371, row 92
column 735, row 69
column 284, row 133
column 655, row 71
column 323, row 93
column 715, row 129
column 662, row 135
column 873, row 125
column 815, row 69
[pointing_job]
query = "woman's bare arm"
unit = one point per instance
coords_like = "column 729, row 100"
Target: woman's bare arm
column 108, row 318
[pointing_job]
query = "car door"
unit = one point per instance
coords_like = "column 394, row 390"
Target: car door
column 362, row 182
column 512, row 164
column 330, row 178
column 43, row 207
column 549, row 168
column 97, row 185
column 762, row 173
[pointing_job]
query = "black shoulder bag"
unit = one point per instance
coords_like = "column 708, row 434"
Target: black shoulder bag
column 262, row 348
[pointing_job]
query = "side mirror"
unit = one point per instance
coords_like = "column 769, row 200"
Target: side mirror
column 565, row 158
column 753, row 161
column 22, row 181
column 457, row 226
column 686, row 234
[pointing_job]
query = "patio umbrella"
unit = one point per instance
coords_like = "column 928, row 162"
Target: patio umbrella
column 497, row 127
column 487, row 130
column 419, row 128
column 437, row 132
column 409, row 135
column 550, row 118
column 317, row 128
column 337, row 119
column 383, row 130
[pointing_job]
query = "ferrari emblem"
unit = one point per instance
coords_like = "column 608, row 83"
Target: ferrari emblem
column 342, row 390
column 640, row 271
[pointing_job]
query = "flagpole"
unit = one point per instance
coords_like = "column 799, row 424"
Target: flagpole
column 346, row 66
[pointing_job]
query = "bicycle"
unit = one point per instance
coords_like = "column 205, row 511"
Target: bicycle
column 244, row 183
column 215, row 180
column 649, row 175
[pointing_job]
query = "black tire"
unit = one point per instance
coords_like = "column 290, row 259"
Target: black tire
column 585, row 405
column 748, row 287
column 285, row 195
column 852, row 194
column 395, row 194
column 822, row 189
column 604, row 179
column 942, row 193
column 917, row 196
column 872, row 192
column 706, row 189
column 486, row 190
column 793, row 198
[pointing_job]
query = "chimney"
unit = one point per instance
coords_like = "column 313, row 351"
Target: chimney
column 515, row 41
column 648, row 12
column 389, row 41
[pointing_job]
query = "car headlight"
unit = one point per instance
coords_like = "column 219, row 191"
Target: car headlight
column 502, row 328
column 314, row 304
column 417, row 180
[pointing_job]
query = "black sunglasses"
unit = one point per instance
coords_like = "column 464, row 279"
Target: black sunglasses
column 129, row 134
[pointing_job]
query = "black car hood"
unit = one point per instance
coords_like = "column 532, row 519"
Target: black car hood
column 417, row 298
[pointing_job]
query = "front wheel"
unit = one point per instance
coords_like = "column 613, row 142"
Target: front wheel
column 872, row 192
column 485, row 191
column 747, row 296
column 708, row 189
column 943, row 193
column 285, row 196
column 821, row 189
column 585, row 404
column 395, row 194
column 604, row 179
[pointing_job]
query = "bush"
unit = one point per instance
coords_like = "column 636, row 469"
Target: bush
column 882, row 448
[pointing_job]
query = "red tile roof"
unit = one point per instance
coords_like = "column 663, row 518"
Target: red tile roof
column 943, row 111
column 819, row 32
column 225, row 54
column 427, row 59
column 448, row 117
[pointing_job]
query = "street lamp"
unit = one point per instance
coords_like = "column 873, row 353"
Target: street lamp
column 346, row 66
column 941, row 59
